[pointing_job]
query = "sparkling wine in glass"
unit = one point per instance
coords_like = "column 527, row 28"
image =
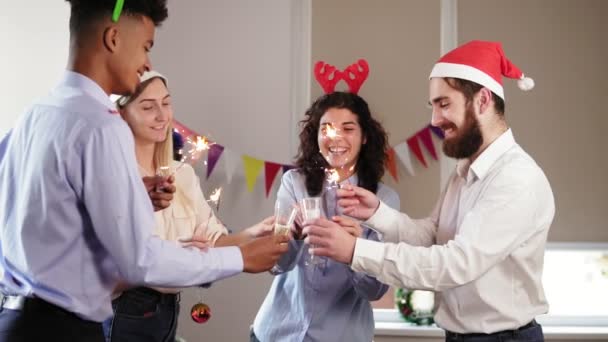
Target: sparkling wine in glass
column 164, row 171
column 311, row 210
column 284, row 218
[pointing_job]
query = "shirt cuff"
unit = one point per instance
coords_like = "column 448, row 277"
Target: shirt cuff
column 368, row 257
column 231, row 259
column 381, row 218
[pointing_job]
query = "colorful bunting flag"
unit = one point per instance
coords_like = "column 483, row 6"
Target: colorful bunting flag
column 252, row 168
column 412, row 142
column 438, row 132
column 288, row 167
column 231, row 163
column 215, row 151
column 270, row 170
column 425, row 135
column 183, row 130
column 403, row 152
column 391, row 164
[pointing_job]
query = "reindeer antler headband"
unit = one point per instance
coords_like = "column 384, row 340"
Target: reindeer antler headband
column 354, row 75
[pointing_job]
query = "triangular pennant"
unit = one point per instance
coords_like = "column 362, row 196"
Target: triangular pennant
column 391, row 164
column 231, row 163
column 288, row 167
column 412, row 142
column 183, row 130
column 252, row 170
column 438, row 132
column 215, row 151
column 403, row 152
column 425, row 135
column 270, row 171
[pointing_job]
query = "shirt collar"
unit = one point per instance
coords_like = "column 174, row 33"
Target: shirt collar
column 487, row 158
column 90, row 87
column 351, row 180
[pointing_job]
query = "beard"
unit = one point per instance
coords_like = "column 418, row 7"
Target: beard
column 468, row 138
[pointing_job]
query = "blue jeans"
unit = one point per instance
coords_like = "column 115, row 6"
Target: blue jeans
column 531, row 332
column 143, row 314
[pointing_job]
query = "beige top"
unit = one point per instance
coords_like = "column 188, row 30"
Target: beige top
column 486, row 240
column 189, row 213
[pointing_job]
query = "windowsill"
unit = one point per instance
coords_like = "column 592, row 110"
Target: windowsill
column 550, row 332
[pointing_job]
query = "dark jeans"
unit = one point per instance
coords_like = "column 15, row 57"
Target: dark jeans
column 531, row 332
column 143, row 314
column 42, row 321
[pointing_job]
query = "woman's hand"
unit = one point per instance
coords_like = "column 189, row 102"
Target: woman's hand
column 349, row 225
column 357, row 202
column 262, row 228
column 197, row 241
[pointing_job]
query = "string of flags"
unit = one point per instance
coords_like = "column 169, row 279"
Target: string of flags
column 252, row 166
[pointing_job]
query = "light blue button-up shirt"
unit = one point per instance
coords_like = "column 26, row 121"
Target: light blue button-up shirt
column 327, row 302
column 74, row 214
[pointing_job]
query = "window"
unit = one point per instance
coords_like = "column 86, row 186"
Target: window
column 575, row 279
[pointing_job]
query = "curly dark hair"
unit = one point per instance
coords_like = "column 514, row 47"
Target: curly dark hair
column 86, row 12
column 370, row 166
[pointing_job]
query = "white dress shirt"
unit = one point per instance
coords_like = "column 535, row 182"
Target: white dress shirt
column 75, row 217
column 481, row 248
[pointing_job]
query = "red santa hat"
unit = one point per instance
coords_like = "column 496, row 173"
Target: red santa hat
column 483, row 63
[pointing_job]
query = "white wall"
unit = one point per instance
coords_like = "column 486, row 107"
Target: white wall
column 228, row 65
column 228, row 69
column 34, row 36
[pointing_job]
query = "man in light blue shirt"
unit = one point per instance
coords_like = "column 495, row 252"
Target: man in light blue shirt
column 75, row 218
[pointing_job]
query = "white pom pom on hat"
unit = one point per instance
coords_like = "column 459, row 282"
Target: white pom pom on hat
column 525, row 83
column 481, row 62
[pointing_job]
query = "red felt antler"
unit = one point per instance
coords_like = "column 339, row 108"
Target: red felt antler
column 323, row 74
column 355, row 74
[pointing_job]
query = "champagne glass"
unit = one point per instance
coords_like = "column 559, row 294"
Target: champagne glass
column 165, row 172
column 311, row 210
column 284, row 218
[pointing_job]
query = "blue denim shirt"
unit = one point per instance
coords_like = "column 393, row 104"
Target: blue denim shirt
column 327, row 302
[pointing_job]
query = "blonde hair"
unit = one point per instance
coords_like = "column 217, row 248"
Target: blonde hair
column 163, row 151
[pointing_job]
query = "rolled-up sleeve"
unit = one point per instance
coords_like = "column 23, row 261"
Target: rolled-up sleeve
column 488, row 233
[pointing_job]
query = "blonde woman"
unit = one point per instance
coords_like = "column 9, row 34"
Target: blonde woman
column 150, row 314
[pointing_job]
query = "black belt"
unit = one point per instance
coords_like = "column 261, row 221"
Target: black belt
column 523, row 327
column 158, row 297
column 20, row 303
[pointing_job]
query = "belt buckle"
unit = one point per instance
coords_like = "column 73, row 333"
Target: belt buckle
column 12, row 302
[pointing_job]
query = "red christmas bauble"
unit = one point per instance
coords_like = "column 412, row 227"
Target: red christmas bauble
column 200, row 313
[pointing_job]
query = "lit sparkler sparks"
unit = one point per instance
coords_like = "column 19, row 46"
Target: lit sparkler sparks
column 215, row 198
column 330, row 131
column 332, row 176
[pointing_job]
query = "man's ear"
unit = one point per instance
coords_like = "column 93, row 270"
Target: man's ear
column 484, row 98
column 110, row 38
